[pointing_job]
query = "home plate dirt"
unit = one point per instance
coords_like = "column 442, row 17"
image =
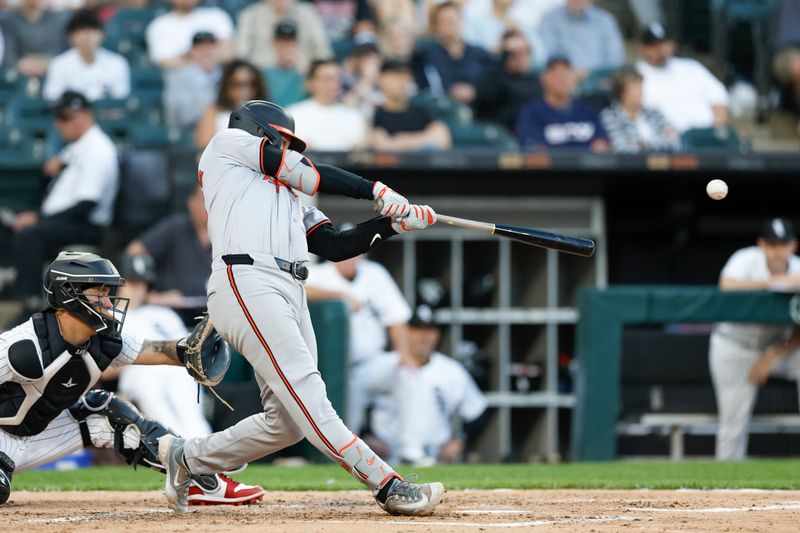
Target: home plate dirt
column 353, row 512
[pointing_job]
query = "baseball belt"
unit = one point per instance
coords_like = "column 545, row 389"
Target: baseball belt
column 297, row 269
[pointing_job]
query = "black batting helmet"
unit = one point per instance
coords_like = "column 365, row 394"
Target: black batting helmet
column 70, row 275
column 137, row 268
column 265, row 119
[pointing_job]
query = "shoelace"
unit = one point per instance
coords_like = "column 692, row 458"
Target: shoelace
column 406, row 489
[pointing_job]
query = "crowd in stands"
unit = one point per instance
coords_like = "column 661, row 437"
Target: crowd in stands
column 541, row 71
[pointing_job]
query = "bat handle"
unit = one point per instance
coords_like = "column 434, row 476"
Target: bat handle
column 474, row 225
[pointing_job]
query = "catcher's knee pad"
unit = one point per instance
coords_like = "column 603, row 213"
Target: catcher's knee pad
column 122, row 416
column 7, row 467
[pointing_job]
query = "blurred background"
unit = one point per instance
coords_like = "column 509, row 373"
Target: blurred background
column 603, row 119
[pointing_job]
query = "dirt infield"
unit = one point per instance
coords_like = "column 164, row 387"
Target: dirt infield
column 352, row 512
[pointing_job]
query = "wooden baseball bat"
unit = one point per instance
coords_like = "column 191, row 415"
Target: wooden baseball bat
column 533, row 237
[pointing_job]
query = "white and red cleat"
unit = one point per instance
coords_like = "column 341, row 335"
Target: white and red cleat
column 219, row 489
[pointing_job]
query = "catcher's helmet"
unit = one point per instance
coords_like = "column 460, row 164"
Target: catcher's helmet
column 70, row 275
column 265, row 119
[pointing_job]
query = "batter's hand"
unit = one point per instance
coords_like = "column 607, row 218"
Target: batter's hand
column 388, row 203
column 419, row 217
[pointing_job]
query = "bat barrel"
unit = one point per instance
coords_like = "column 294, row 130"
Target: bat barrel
column 546, row 239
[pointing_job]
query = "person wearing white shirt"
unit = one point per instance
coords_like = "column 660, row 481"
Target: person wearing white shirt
column 486, row 29
column 86, row 67
column 682, row 89
column 79, row 201
column 376, row 307
column 164, row 393
column 743, row 356
column 324, row 123
column 169, row 36
column 419, row 429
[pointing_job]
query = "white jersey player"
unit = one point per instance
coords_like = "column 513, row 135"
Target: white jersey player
column 743, row 356
column 376, row 305
column 444, row 390
column 164, row 393
column 260, row 237
column 49, row 364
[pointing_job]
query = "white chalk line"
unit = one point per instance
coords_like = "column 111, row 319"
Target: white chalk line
column 789, row 506
column 491, row 511
column 97, row 516
column 532, row 523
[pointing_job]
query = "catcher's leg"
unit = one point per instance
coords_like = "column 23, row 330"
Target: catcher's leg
column 106, row 420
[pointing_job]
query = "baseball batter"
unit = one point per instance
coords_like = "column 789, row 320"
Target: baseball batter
column 743, row 356
column 260, row 237
column 49, row 364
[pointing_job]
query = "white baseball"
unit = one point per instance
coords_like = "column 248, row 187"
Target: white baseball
column 717, row 189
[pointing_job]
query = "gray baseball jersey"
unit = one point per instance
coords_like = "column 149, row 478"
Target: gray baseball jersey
column 261, row 310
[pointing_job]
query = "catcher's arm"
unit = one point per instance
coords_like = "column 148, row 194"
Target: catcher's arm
column 203, row 352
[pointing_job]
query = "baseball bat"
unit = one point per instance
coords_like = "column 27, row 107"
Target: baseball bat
column 533, row 237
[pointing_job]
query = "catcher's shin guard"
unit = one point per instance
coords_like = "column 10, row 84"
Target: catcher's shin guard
column 6, row 470
column 123, row 417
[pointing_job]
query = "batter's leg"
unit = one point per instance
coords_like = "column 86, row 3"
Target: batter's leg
column 730, row 364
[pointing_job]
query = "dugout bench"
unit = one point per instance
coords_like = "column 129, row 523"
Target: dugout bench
column 603, row 315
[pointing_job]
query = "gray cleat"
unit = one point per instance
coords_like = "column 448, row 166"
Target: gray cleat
column 176, row 488
column 404, row 497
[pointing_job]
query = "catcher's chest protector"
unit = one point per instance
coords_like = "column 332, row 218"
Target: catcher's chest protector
column 47, row 374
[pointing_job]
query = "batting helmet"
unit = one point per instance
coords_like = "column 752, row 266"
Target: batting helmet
column 265, row 119
column 70, row 275
column 137, row 268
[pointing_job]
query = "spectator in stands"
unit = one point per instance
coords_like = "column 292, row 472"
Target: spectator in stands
column 557, row 120
column 360, row 78
column 786, row 41
column 241, row 81
column 164, row 393
column 285, row 80
column 399, row 126
column 33, row 36
column 192, row 87
column 449, row 65
column 401, row 427
column 169, row 36
column 587, row 35
column 685, row 92
column 384, row 10
column 340, row 17
column 257, row 23
column 511, row 82
column 631, row 127
column 396, row 39
column 181, row 251
column 378, row 314
column 323, row 122
column 526, row 13
column 80, row 199
column 486, row 30
column 86, row 67
column 743, row 356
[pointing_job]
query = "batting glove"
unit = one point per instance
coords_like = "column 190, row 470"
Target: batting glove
column 419, row 217
column 388, row 203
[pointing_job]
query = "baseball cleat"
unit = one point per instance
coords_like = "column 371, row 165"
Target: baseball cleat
column 219, row 489
column 403, row 497
column 176, row 487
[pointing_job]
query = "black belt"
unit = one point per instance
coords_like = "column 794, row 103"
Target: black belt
column 297, row 269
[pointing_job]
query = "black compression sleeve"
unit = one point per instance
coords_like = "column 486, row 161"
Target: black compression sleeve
column 271, row 158
column 334, row 180
column 340, row 245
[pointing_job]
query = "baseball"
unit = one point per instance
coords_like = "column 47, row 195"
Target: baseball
column 717, row 189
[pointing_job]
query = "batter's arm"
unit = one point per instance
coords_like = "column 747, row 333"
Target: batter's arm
column 324, row 241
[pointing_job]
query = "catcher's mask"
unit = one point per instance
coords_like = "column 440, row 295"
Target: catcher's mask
column 265, row 119
column 71, row 275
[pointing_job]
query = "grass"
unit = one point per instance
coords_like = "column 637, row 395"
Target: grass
column 767, row 474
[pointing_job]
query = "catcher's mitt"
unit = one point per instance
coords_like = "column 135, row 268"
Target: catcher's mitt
column 204, row 353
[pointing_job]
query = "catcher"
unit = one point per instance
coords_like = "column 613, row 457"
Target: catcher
column 49, row 364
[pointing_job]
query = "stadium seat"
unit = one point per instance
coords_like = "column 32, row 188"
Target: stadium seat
column 441, row 107
column 700, row 139
column 113, row 117
column 33, row 116
column 478, row 134
column 149, row 136
column 145, row 189
column 12, row 84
